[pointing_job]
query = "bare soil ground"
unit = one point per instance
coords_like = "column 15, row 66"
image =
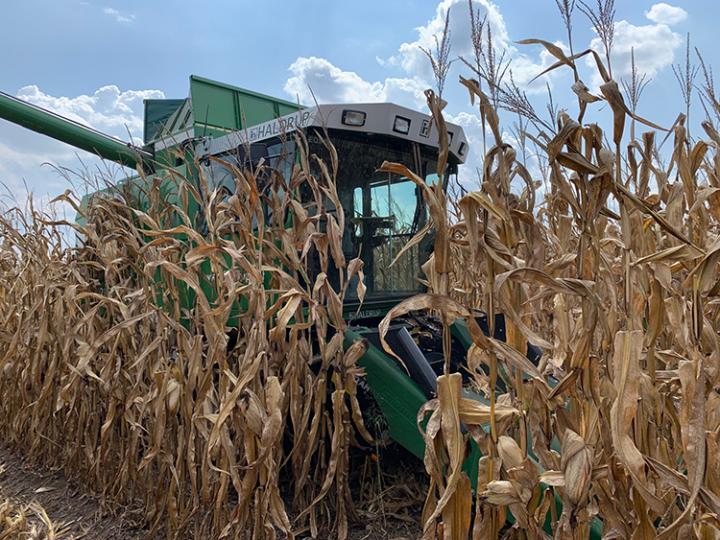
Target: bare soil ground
column 78, row 515
column 75, row 514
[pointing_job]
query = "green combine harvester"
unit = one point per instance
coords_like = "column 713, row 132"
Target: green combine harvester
column 382, row 210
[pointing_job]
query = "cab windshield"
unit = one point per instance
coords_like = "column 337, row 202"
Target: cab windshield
column 383, row 210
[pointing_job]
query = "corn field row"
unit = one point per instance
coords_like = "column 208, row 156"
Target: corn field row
column 611, row 271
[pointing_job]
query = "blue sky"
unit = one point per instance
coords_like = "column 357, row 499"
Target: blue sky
column 95, row 60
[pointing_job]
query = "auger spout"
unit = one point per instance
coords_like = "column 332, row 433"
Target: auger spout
column 73, row 133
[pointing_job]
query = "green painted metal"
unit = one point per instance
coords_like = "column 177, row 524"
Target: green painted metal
column 220, row 108
column 157, row 112
column 398, row 397
column 53, row 125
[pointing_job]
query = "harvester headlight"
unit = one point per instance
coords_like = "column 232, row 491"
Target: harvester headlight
column 462, row 149
column 353, row 118
column 402, row 125
column 450, row 137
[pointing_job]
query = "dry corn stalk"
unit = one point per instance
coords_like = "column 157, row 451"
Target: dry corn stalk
column 26, row 522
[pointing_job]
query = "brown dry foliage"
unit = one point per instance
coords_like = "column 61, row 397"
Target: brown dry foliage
column 144, row 404
column 26, row 522
column 613, row 274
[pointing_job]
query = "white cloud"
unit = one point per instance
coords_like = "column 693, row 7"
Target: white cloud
column 107, row 109
column 414, row 61
column 663, row 13
column 118, row 16
column 654, row 46
column 470, row 173
column 330, row 84
column 24, row 155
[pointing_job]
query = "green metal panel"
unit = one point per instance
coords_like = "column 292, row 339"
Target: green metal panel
column 157, row 112
column 220, row 108
column 398, row 397
column 287, row 109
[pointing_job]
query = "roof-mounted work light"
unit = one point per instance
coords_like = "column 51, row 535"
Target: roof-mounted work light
column 401, row 125
column 353, row 118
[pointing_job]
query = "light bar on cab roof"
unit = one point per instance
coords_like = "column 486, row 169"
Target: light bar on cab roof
column 377, row 119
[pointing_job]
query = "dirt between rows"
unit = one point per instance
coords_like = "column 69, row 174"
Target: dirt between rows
column 77, row 515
